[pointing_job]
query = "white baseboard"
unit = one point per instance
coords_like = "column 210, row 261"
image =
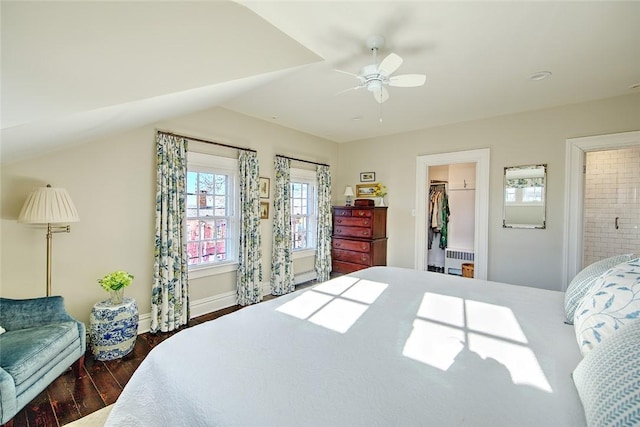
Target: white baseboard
column 218, row 302
column 198, row 308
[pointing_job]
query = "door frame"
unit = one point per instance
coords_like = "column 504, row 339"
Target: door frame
column 481, row 158
column 574, row 189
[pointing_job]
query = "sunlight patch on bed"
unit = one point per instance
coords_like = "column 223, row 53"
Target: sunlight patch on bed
column 339, row 315
column 442, row 308
column 336, row 286
column 365, row 291
column 305, row 305
column 434, row 344
column 336, row 304
column 519, row 360
column 445, row 325
column 494, row 320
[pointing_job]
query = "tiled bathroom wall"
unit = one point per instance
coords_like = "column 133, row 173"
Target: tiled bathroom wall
column 612, row 196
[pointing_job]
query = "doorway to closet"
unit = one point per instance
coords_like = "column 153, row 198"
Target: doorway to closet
column 472, row 229
column 451, row 219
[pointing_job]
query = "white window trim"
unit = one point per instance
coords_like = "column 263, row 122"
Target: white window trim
column 308, row 177
column 199, row 162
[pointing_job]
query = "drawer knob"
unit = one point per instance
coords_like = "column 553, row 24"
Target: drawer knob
column 365, row 233
column 339, row 221
column 361, row 213
column 338, row 244
column 338, row 231
column 363, row 258
column 365, row 222
column 363, row 247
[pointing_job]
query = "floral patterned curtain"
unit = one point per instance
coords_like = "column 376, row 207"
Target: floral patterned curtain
column 325, row 224
column 281, row 265
column 170, row 292
column 249, row 275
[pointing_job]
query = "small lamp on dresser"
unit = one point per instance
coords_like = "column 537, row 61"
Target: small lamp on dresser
column 348, row 192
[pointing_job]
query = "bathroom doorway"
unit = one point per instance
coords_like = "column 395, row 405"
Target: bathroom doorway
column 574, row 209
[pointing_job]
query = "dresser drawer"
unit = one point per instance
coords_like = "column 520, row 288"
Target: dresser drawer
column 352, row 231
column 352, row 256
column 341, row 212
column 346, row 267
column 361, row 213
column 353, row 221
column 351, row 245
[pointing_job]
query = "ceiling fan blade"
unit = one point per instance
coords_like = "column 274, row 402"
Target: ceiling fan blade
column 408, row 80
column 389, row 64
column 350, row 89
column 380, row 94
column 349, row 74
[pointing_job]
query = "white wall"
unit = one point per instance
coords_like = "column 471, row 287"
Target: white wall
column 519, row 256
column 112, row 183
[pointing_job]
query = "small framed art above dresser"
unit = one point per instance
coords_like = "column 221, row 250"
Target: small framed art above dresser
column 359, row 238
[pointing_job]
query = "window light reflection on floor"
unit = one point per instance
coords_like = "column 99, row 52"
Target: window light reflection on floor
column 446, row 324
column 336, row 304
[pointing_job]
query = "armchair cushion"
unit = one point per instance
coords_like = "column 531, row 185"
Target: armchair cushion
column 40, row 343
column 26, row 351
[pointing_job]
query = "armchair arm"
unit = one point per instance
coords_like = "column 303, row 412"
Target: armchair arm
column 7, row 397
column 27, row 313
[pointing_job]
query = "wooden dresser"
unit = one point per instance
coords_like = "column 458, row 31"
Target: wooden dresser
column 359, row 238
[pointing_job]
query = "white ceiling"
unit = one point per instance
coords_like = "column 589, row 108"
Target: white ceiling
column 75, row 71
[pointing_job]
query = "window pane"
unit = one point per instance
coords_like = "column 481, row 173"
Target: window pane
column 193, row 230
column 221, row 228
column 205, row 182
column 192, row 253
column 221, row 184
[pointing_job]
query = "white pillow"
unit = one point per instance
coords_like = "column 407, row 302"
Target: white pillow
column 2, row 330
column 608, row 380
column 583, row 281
column 612, row 301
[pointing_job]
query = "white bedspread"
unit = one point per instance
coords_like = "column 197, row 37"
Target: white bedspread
column 381, row 347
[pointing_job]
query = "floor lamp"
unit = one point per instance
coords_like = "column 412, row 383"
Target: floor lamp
column 51, row 206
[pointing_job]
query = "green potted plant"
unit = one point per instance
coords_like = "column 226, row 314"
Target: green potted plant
column 115, row 283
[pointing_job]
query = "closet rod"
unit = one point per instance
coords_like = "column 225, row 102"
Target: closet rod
column 206, row 142
column 304, row 161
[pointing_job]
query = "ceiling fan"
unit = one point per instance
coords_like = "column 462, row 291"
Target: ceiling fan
column 375, row 77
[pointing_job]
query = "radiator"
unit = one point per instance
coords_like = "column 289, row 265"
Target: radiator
column 454, row 258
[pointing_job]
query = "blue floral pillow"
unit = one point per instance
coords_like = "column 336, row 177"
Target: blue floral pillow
column 608, row 380
column 612, row 301
column 583, row 281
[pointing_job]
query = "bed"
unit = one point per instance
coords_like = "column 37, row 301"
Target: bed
column 379, row 347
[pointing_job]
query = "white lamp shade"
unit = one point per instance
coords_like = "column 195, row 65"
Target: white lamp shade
column 48, row 205
column 348, row 191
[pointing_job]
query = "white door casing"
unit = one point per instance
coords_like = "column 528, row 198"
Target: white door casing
column 481, row 233
column 574, row 190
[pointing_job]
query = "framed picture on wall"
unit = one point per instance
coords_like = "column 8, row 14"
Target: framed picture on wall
column 367, row 176
column 264, row 210
column 365, row 190
column 264, row 188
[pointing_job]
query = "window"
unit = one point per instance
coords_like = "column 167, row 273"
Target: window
column 304, row 200
column 211, row 225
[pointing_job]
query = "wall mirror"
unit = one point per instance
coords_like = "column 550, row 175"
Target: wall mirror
column 525, row 196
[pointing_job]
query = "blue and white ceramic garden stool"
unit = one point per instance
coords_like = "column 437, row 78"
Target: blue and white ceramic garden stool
column 113, row 329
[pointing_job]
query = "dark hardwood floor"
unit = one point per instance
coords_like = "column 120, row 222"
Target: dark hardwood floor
column 68, row 398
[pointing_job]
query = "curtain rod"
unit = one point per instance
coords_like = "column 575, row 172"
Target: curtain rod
column 206, row 142
column 304, row 161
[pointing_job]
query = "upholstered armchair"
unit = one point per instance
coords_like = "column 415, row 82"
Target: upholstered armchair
column 40, row 343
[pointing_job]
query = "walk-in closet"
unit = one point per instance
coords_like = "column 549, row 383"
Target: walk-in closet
column 451, row 218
